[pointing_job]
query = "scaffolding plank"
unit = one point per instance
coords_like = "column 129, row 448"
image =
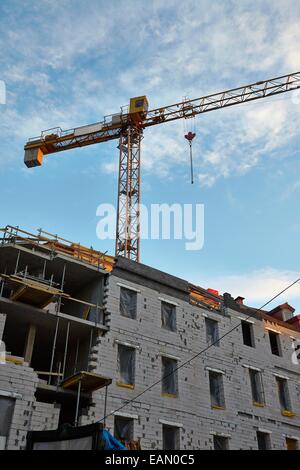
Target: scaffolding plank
column 31, row 292
column 89, row 381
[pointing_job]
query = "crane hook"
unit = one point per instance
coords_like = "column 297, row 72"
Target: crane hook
column 190, row 137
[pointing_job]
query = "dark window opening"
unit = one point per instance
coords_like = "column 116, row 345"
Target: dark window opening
column 216, row 389
column 283, row 394
column 275, row 343
column 257, row 387
column 128, row 303
column 221, row 443
column 168, row 316
column 14, row 338
column 171, row 438
column 126, row 363
column 247, row 330
column 169, row 376
column 212, row 332
column 263, row 441
column 123, row 429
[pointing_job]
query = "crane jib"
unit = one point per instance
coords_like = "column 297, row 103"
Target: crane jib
column 56, row 140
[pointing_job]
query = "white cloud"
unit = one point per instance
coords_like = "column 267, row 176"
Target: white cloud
column 179, row 49
column 242, row 138
column 111, row 167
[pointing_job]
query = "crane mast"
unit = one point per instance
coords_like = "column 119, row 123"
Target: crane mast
column 128, row 210
column 128, row 126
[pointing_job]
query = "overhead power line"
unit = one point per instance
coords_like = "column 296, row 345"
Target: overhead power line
column 198, row 354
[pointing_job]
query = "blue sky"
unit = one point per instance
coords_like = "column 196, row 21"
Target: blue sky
column 71, row 62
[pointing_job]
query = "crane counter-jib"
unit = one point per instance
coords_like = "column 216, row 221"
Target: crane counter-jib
column 79, row 137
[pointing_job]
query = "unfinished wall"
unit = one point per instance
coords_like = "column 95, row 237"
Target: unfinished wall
column 191, row 411
column 19, row 382
column 45, row 416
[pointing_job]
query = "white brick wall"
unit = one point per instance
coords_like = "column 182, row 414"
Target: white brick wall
column 192, row 407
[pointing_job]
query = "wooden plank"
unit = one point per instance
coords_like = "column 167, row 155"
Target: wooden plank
column 89, row 381
column 16, row 295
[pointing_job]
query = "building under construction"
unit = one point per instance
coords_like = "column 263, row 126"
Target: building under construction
column 84, row 333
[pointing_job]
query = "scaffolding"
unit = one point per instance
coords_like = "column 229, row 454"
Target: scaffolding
column 53, row 244
column 36, row 290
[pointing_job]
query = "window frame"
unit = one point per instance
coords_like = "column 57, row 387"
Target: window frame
column 267, row 442
column 223, row 439
column 218, row 403
column 284, row 395
column 173, row 314
column 122, row 308
column 215, row 341
column 257, row 387
column 164, row 391
column 176, row 431
column 129, row 421
column 276, row 349
column 249, row 325
column 121, row 382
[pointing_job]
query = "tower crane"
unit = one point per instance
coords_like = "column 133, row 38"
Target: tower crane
column 128, row 127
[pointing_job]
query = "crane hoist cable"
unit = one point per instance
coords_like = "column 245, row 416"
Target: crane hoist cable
column 190, row 137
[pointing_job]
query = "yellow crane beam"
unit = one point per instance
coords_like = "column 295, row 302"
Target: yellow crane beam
column 128, row 127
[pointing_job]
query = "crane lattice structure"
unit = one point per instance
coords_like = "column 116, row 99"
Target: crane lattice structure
column 128, row 127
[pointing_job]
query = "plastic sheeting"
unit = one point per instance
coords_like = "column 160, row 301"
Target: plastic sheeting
column 220, row 443
column 169, row 375
column 126, row 359
column 168, row 316
column 256, row 386
column 110, row 442
column 283, row 393
column 128, row 303
column 212, row 331
column 6, row 412
column 216, row 389
column 123, row 428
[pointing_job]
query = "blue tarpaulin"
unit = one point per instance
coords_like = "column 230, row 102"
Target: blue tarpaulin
column 110, row 442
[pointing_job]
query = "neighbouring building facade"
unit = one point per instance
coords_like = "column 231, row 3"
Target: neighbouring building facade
column 86, row 336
